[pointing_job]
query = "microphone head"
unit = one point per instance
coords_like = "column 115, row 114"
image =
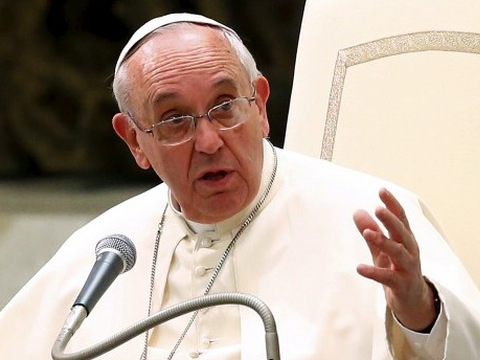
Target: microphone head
column 122, row 245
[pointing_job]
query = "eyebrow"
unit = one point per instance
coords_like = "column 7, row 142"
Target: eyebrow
column 159, row 98
column 226, row 81
column 222, row 82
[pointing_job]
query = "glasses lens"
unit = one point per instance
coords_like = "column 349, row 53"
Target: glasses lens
column 175, row 131
column 229, row 113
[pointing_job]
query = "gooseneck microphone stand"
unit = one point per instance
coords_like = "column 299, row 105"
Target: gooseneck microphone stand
column 79, row 313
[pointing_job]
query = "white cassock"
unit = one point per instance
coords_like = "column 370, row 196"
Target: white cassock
column 299, row 256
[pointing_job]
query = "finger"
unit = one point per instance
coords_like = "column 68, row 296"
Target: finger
column 386, row 252
column 378, row 260
column 364, row 221
column 396, row 229
column 394, row 206
column 383, row 276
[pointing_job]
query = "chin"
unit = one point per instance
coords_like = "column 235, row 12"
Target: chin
column 220, row 209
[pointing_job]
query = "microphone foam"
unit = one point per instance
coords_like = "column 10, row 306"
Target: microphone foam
column 122, row 245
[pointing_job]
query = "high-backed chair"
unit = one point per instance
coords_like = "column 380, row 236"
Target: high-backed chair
column 392, row 88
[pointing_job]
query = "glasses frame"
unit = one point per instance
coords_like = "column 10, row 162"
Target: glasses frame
column 194, row 118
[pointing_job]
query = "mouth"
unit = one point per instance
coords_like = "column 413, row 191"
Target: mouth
column 214, row 175
column 215, row 182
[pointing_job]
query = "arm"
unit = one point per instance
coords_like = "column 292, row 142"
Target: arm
column 396, row 265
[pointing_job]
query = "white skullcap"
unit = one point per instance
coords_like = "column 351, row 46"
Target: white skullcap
column 158, row 22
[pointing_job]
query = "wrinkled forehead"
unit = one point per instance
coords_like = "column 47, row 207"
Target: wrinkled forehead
column 182, row 52
column 160, row 22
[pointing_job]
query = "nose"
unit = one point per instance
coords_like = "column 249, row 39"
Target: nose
column 207, row 138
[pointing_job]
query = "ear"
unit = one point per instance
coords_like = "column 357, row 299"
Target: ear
column 128, row 133
column 263, row 92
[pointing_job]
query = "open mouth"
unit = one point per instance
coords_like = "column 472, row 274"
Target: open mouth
column 212, row 176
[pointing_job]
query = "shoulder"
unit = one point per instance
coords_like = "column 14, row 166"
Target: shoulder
column 130, row 218
column 321, row 179
column 132, row 213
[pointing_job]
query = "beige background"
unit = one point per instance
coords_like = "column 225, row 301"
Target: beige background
column 37, row 216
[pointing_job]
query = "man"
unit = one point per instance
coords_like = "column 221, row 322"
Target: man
column 235, row 214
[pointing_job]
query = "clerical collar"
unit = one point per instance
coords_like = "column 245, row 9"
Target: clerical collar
column 237, row 219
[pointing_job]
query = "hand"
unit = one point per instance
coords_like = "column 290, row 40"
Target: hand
column 396, row 263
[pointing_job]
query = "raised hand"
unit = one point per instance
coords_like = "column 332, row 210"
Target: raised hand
column 396, row 263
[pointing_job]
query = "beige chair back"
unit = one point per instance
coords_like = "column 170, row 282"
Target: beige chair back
column 392, row 88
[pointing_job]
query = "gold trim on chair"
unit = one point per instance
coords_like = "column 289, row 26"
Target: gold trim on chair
column 374, row 50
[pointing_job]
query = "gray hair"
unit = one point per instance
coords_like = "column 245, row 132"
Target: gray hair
column 122, row 87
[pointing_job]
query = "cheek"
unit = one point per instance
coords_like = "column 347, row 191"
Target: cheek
column 249, row 153
column 170, row 166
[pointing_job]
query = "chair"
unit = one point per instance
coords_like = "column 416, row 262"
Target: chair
column 392, row 88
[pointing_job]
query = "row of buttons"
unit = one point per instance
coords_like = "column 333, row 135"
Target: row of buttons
column 204, row 241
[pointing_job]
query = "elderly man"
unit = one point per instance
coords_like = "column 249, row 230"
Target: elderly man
column 235, row 214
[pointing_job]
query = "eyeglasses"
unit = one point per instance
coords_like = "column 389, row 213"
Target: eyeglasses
column 177, row 130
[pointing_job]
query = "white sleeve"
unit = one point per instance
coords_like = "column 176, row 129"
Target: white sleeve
column 428, row 346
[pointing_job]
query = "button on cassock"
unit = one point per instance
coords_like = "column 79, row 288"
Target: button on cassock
column 200, row 270
column 194, row 354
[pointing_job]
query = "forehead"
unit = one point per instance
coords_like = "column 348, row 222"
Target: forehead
column 183, row 54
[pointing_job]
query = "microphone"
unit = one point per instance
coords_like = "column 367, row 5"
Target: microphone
column 115, row 254
column 75, row 319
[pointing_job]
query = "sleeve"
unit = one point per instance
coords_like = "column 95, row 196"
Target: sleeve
column 429, row 346
column 457, row 333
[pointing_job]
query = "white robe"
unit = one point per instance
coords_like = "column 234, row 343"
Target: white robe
column 299, row 256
